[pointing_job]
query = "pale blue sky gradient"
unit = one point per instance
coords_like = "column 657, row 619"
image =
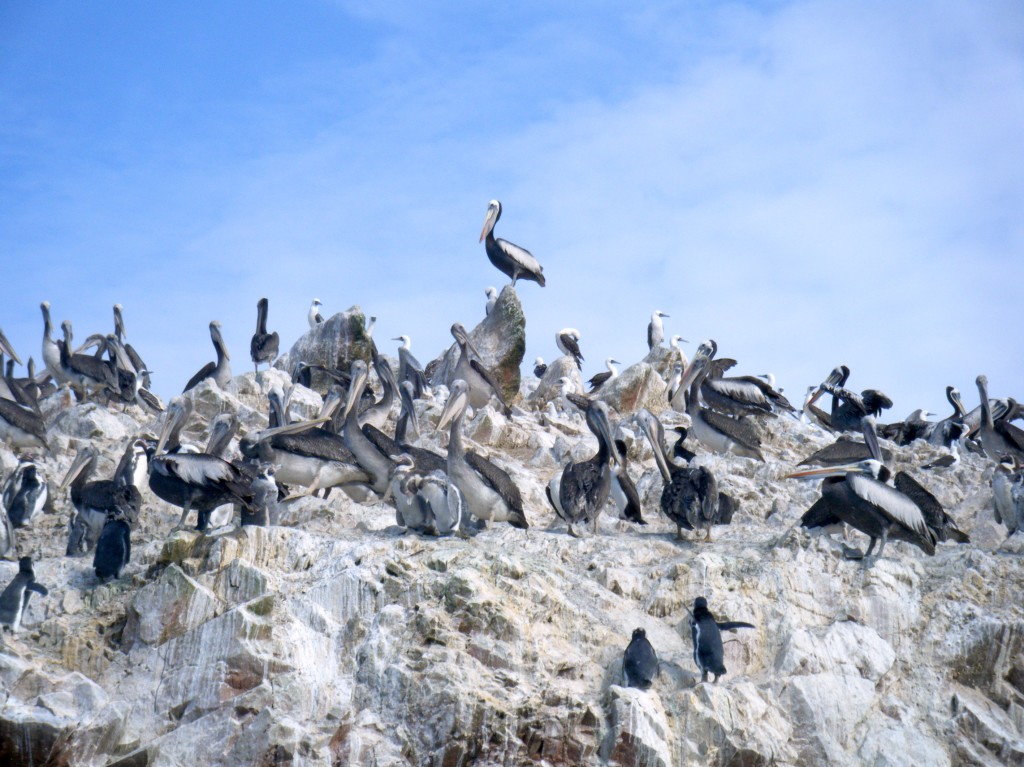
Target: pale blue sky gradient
column 809, row 183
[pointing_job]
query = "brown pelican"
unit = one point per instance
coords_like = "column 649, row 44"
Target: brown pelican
column 737, row 395
column 492, row 299
column 263, row 347
column 487, row 491
column 844, row 450
column 623, row 491
column 848, row 407
column 314, row 317
column 122, row 336
column 656, row 329
column 51, row 349
column 998, row 437
column 516, row 262
column 407, row 425
column 584, row 487
column 88, row 373
column 600, row 379
column 717, row 432
column 92, row 500
column 1008, row 494
column 568, row 342
column 858, row 494
column 481, row 381
column 21, row 427
column 219, row 371
column 409, row 368
column 13, row 389
column 377, row 465
column 690, row 497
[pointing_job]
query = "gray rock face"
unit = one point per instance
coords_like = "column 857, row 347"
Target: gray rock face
column 638, row 386
column 335, row 344
column 549, row 387
column 501, row 340
column 338, row 640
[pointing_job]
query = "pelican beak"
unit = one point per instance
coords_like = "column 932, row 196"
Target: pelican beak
column 175, row 413
column 356, row 387
column 828, row 471
column 119, row 330
column 80, row 462
column 331, row 403
column 456, row 403
column 489, row 221
column 292, row 428
column 218, row 339
column 5, row 345
column 606, row 432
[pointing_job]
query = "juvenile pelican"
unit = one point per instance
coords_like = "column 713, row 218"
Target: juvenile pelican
column 585, row 484
column 516, row 262
column 1008, row 494
column 263, row 347
column 481, row 381
column 219, row 371
column 998, row 437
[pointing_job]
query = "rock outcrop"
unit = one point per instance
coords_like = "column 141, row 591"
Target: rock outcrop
column 334, row 344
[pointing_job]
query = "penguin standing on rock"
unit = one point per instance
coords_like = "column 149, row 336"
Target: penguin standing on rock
column 14, row 598
column 114, row 547
column 25, row 494
column 639, row 662
column 706, row 633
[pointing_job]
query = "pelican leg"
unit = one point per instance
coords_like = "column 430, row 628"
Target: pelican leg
column 572, row 532
column 679, row 533
column 311, row 490
column 184, row 515
column 707, row 537
column 885, row 537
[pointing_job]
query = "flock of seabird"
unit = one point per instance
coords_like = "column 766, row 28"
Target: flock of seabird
column 459, row 492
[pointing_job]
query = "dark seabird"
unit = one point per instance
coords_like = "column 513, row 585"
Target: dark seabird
column 25, row 494
column 639, row 662
column 690, row 497
column 706, row 634
column 114, row 547
column 138, row 365
column 585, row 485
column 656, row 329
column 539, row 368
column 409, row 368
column 481, row 382
column 264, row 345
column 852, row 407
column 568, row 342
column 1008, row 494
column 487, row 491
column 998, row 437
column 600, row 379
column 935, row 517
column 89, row 373
column 623, row 490
column 14, row 599
column 738, row 395
column 314, row 317
column 219, row 371
column 375, row 463
column 21, row 427
column 518, row 263
column 407, row 425
column 93, row 500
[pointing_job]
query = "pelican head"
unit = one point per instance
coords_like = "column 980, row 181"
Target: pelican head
column 493, row 214
column 458, row 399
column 218, row 339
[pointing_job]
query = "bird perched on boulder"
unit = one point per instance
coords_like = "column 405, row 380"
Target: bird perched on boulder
column 639, row 662
column 14, row 598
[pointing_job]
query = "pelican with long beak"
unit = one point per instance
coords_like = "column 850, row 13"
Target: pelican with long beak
column 998, row 437
column 585, row 485
column 488, row 492
column 517, row 263
column 219, row 371
column 481, row 381
column 375, row 463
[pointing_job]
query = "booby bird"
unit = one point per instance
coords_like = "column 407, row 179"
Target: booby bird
column 1008, row 494
column 92, row 500
column 264, row 345
column 567, row 341
column 89, row 373
column 517, row 263
column 21, row 427
column 706, row 634
column 998, row 437
column 25, row 494
column 492, row 299
column 639, row 661
column 480, row 381
column 690, row 497
column 51, row 348
column 656, row 329
column 138, row 365
column 857, row 494
column 601, row 379
column 409, row 368
column 219, row 371
column 314, row 317
column 192, row 480
column 717, row 432
column 539, row 368
column 585, row 484
column 487, row 491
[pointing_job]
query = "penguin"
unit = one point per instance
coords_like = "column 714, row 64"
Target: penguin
column 639, row 662
column 706, row 633
column 7, row 538
column 265, row 509
column 14, row 598
column 25, row 494
column 114, row 547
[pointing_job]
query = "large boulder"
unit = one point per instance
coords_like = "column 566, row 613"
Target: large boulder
column 638, row 386
column 664, row 359
column 549, row 387
column 333, row 344
column 501, row 341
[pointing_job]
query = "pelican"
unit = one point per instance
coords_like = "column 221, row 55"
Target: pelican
column 656, row 329
column 87, row 372
column 539, row 368
column 219, row 371
column 844, row 450
column 848, row 407
column 13, row 389
column 122, row 336
column 21, row 427
column 51, row 348
column 487, row 491
column 92, row 500
column 263, row 347
column 377, row 465
column 602, row 378
column 567, row 341
column 998, row 437
column 481, row 381
column 738, row 395
column 1008, row 494
column 492, row 299
column 623, row 491
column 719, row 433
column 516, row 262
column 314, row 317
column 409, row 368
column 690, row 497
column 857, row 494
column 585, row 484
column 947, row 431
column 377, row 413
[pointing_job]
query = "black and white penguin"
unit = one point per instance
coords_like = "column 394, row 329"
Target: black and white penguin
column 639, row 662
column 25, row 494
column 14, row 598
column 265, row 509
column 706, row 633
column 114, row 547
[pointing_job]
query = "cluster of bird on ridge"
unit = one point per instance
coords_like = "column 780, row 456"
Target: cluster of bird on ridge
column 458, row 492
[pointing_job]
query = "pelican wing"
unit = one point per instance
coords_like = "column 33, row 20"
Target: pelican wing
column 197, row 469
column 741, row 391
column 890, row 502
column 521, row 256
column 498, row 479
column 740, row 430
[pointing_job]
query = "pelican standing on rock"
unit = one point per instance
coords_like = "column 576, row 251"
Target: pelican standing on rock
column 264, row 345
column 487, row 491
column 481, row 381
column 998, row 437
column 517, row 263
column 51, row 348
column 585, row 484
column 219, row 371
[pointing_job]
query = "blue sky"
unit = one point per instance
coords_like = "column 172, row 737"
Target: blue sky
column 808, row 183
